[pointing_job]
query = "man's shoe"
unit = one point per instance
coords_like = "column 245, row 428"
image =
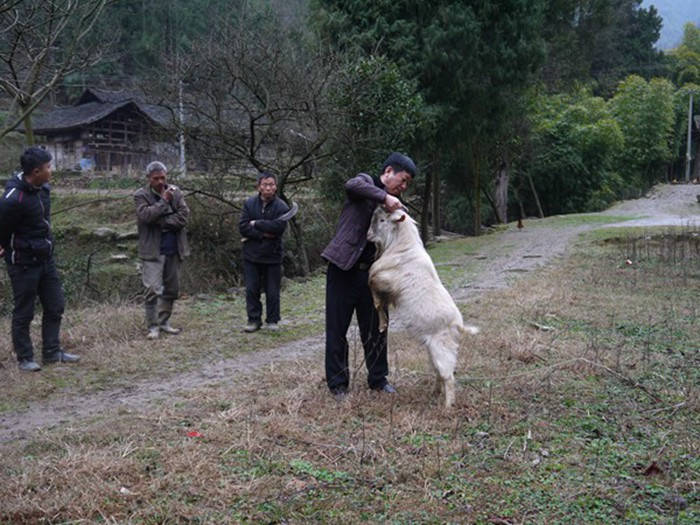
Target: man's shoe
column 339, row 394
column 273, row 327
column 29, row 365
column 153, row 332
column 387, row 389
column 62, row 357
column 252, row 327
column 169, row 329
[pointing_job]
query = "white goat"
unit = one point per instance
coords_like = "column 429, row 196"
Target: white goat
column 403, row 276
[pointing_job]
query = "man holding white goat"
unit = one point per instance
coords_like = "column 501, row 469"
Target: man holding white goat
column 349, row 257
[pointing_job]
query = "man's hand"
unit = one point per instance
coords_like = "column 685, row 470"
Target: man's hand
column 391, row 203
column 167, row 194
column 252, row 224
column 2, row 251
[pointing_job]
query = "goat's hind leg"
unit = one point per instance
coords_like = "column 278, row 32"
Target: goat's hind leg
column 437, row 389
column 443, row 354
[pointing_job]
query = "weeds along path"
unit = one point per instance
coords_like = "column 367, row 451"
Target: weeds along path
column 510, row 254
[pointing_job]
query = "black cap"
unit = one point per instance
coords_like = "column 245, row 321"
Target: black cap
column 400, row 162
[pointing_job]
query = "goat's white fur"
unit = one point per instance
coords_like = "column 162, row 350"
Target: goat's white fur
column 403, row 276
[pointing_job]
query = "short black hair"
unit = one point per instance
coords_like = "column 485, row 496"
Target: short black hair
column 400, row 162
column 33, row 158
column 266, row 175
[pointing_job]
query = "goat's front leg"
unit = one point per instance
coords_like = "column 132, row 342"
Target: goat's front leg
column 380, row 306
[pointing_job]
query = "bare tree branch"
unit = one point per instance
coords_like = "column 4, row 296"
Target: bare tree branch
column 42, row 41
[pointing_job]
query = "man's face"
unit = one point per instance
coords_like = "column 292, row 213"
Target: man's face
column 267, row 188
column 157, row 180
column 42, row 174
column 396, row 182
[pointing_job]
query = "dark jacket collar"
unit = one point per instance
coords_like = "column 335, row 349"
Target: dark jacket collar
column 378, row 181
column 18, row 181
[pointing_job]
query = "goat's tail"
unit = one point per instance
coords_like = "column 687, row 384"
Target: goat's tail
column 469, row 329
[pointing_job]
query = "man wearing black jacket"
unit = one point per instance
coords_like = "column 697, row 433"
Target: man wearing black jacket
column 261, row 234
column 27, row 245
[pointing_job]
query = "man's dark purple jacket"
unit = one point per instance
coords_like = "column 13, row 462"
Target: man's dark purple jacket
column 350, row 237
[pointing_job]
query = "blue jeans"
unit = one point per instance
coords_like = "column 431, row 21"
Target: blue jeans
column 28, row 283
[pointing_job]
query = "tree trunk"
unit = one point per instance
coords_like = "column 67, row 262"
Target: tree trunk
column 537, row 198
column 298, row 233
column 425, row 212
column 476, row 195
column 520, row 203
column 491, row 202
column 436, row 203
column 696, row 167
column 28, row 130
column 501, row 196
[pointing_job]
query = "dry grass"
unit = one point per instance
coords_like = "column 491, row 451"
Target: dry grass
column 576, row 404
column 110, row 339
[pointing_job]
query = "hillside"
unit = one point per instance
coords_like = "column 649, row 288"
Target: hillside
column 675, row 13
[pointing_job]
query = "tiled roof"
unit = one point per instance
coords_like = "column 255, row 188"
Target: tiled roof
column 94, row 105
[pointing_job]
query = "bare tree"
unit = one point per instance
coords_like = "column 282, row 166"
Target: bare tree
column 257, row 95
column 251, row 103
column 42, row 41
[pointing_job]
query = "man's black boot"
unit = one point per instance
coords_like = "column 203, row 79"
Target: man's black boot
column 61, row 357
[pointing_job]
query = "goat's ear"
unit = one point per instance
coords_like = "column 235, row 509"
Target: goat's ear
column 401, row 219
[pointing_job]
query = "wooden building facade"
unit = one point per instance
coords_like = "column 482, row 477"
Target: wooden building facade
column 108, row 131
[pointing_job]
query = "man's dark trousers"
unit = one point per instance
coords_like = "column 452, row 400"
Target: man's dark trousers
column 28, row 282
column 259, row 276
column 348, row 291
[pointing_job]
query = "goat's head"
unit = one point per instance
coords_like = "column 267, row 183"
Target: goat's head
column 384, row 227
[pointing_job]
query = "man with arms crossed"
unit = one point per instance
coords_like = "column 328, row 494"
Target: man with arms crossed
column 261, row 230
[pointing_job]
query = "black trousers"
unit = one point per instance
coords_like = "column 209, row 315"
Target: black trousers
column 258, row 277
column 28, row 282
column 348, row 292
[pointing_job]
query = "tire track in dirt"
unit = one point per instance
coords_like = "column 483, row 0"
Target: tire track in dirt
column 527, row 249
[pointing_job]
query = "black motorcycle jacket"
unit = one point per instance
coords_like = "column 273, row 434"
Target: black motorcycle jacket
column 25, row 222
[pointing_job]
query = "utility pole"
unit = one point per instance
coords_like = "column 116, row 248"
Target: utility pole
column 690, row 131
column 181, row 115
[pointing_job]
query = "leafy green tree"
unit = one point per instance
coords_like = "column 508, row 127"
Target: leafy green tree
column 373, row 109
column 645, row 113
column 679, row 146
column 599, row 42
column 471, row 60
column 148, row 29
column 574, row 141
column 686, row 57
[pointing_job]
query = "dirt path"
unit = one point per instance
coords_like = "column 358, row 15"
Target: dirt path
column 65, row 408
column 518, row 251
